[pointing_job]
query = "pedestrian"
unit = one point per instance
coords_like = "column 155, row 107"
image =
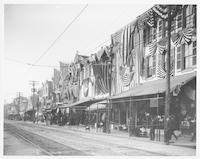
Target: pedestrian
column 167, row 131
column 193, row 127
column 152, row 128
column 173, row 127
column 130, row 124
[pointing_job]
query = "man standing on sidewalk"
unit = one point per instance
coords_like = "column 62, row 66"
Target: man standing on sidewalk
column 173, row 127
column 152, row 128
column 167, row 131
column 131, row 126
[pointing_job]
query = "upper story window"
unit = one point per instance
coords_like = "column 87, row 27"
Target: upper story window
column 179, row 21
column 190, row 55
column 190, row 16
column 173, row 26
column 151, row 65
column 147, row 35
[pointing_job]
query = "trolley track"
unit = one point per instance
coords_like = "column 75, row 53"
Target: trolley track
column 45, row 145
column 101, row 143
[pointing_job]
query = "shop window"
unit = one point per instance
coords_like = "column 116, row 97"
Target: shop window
column 190, row 14
column 190, row 55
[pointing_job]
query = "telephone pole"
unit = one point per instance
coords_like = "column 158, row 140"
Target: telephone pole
column 33, row 90
column 19, row 95
column 168, row 96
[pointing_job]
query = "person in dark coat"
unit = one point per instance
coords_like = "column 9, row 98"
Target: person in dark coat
column 152, row 128
column 131, row 126
column 193, row 127
column 168, row 129
column 173, row 127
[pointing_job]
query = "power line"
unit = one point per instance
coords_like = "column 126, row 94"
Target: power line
column 58, row 37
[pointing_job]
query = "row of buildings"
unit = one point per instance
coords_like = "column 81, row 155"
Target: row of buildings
column 128, row 77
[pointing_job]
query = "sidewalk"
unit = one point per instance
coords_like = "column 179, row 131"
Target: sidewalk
column 183, row 141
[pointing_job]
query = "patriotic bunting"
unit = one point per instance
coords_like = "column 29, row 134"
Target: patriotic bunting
column 64, row 70
column 85, row 86
column 102, row 75
column 161, row 73
column 161, row 46
column 126, row 76
column 153, row 47
column 162, row 10
column 183, row 37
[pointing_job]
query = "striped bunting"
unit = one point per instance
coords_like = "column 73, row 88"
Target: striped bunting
column 153, row 47
column 161, row 11
column 151, row 18
column 161, row 49
column 161, row 73
column 183, row 37
column 126, row 76
column 161, row 46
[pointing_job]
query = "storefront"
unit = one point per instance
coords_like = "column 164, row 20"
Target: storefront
column 148, row 100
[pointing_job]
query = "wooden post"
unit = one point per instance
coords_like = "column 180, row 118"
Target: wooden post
column 168, row 97
column 97, row 118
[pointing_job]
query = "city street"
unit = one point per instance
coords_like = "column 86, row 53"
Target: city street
column 26, row 138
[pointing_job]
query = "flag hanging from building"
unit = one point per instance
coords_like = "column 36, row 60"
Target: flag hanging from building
column 63, row 69
column 102, row 75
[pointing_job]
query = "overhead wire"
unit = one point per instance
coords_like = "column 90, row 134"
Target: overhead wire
column 59, row 36
column 36, row 65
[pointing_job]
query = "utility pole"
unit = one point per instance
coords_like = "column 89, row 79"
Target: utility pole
column 168, row 96
column 110, row 90
column 19, row 100
column 33, row 83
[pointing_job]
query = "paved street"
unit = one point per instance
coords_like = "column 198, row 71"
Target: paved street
column 49, row 140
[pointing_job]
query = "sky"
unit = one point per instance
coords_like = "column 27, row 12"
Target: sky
column 29, row 29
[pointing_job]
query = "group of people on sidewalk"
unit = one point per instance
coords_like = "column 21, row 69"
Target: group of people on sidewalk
column 169, row 124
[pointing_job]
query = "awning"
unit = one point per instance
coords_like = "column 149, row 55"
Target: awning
column 83, row 103
column 156, row 86
column 100, row 105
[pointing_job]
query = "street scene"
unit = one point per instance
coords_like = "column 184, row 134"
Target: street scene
column 79, row 92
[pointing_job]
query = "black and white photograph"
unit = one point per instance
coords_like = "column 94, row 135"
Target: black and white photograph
column 99, row 79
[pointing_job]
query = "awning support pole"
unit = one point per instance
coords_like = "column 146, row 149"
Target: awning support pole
column 97, row 118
